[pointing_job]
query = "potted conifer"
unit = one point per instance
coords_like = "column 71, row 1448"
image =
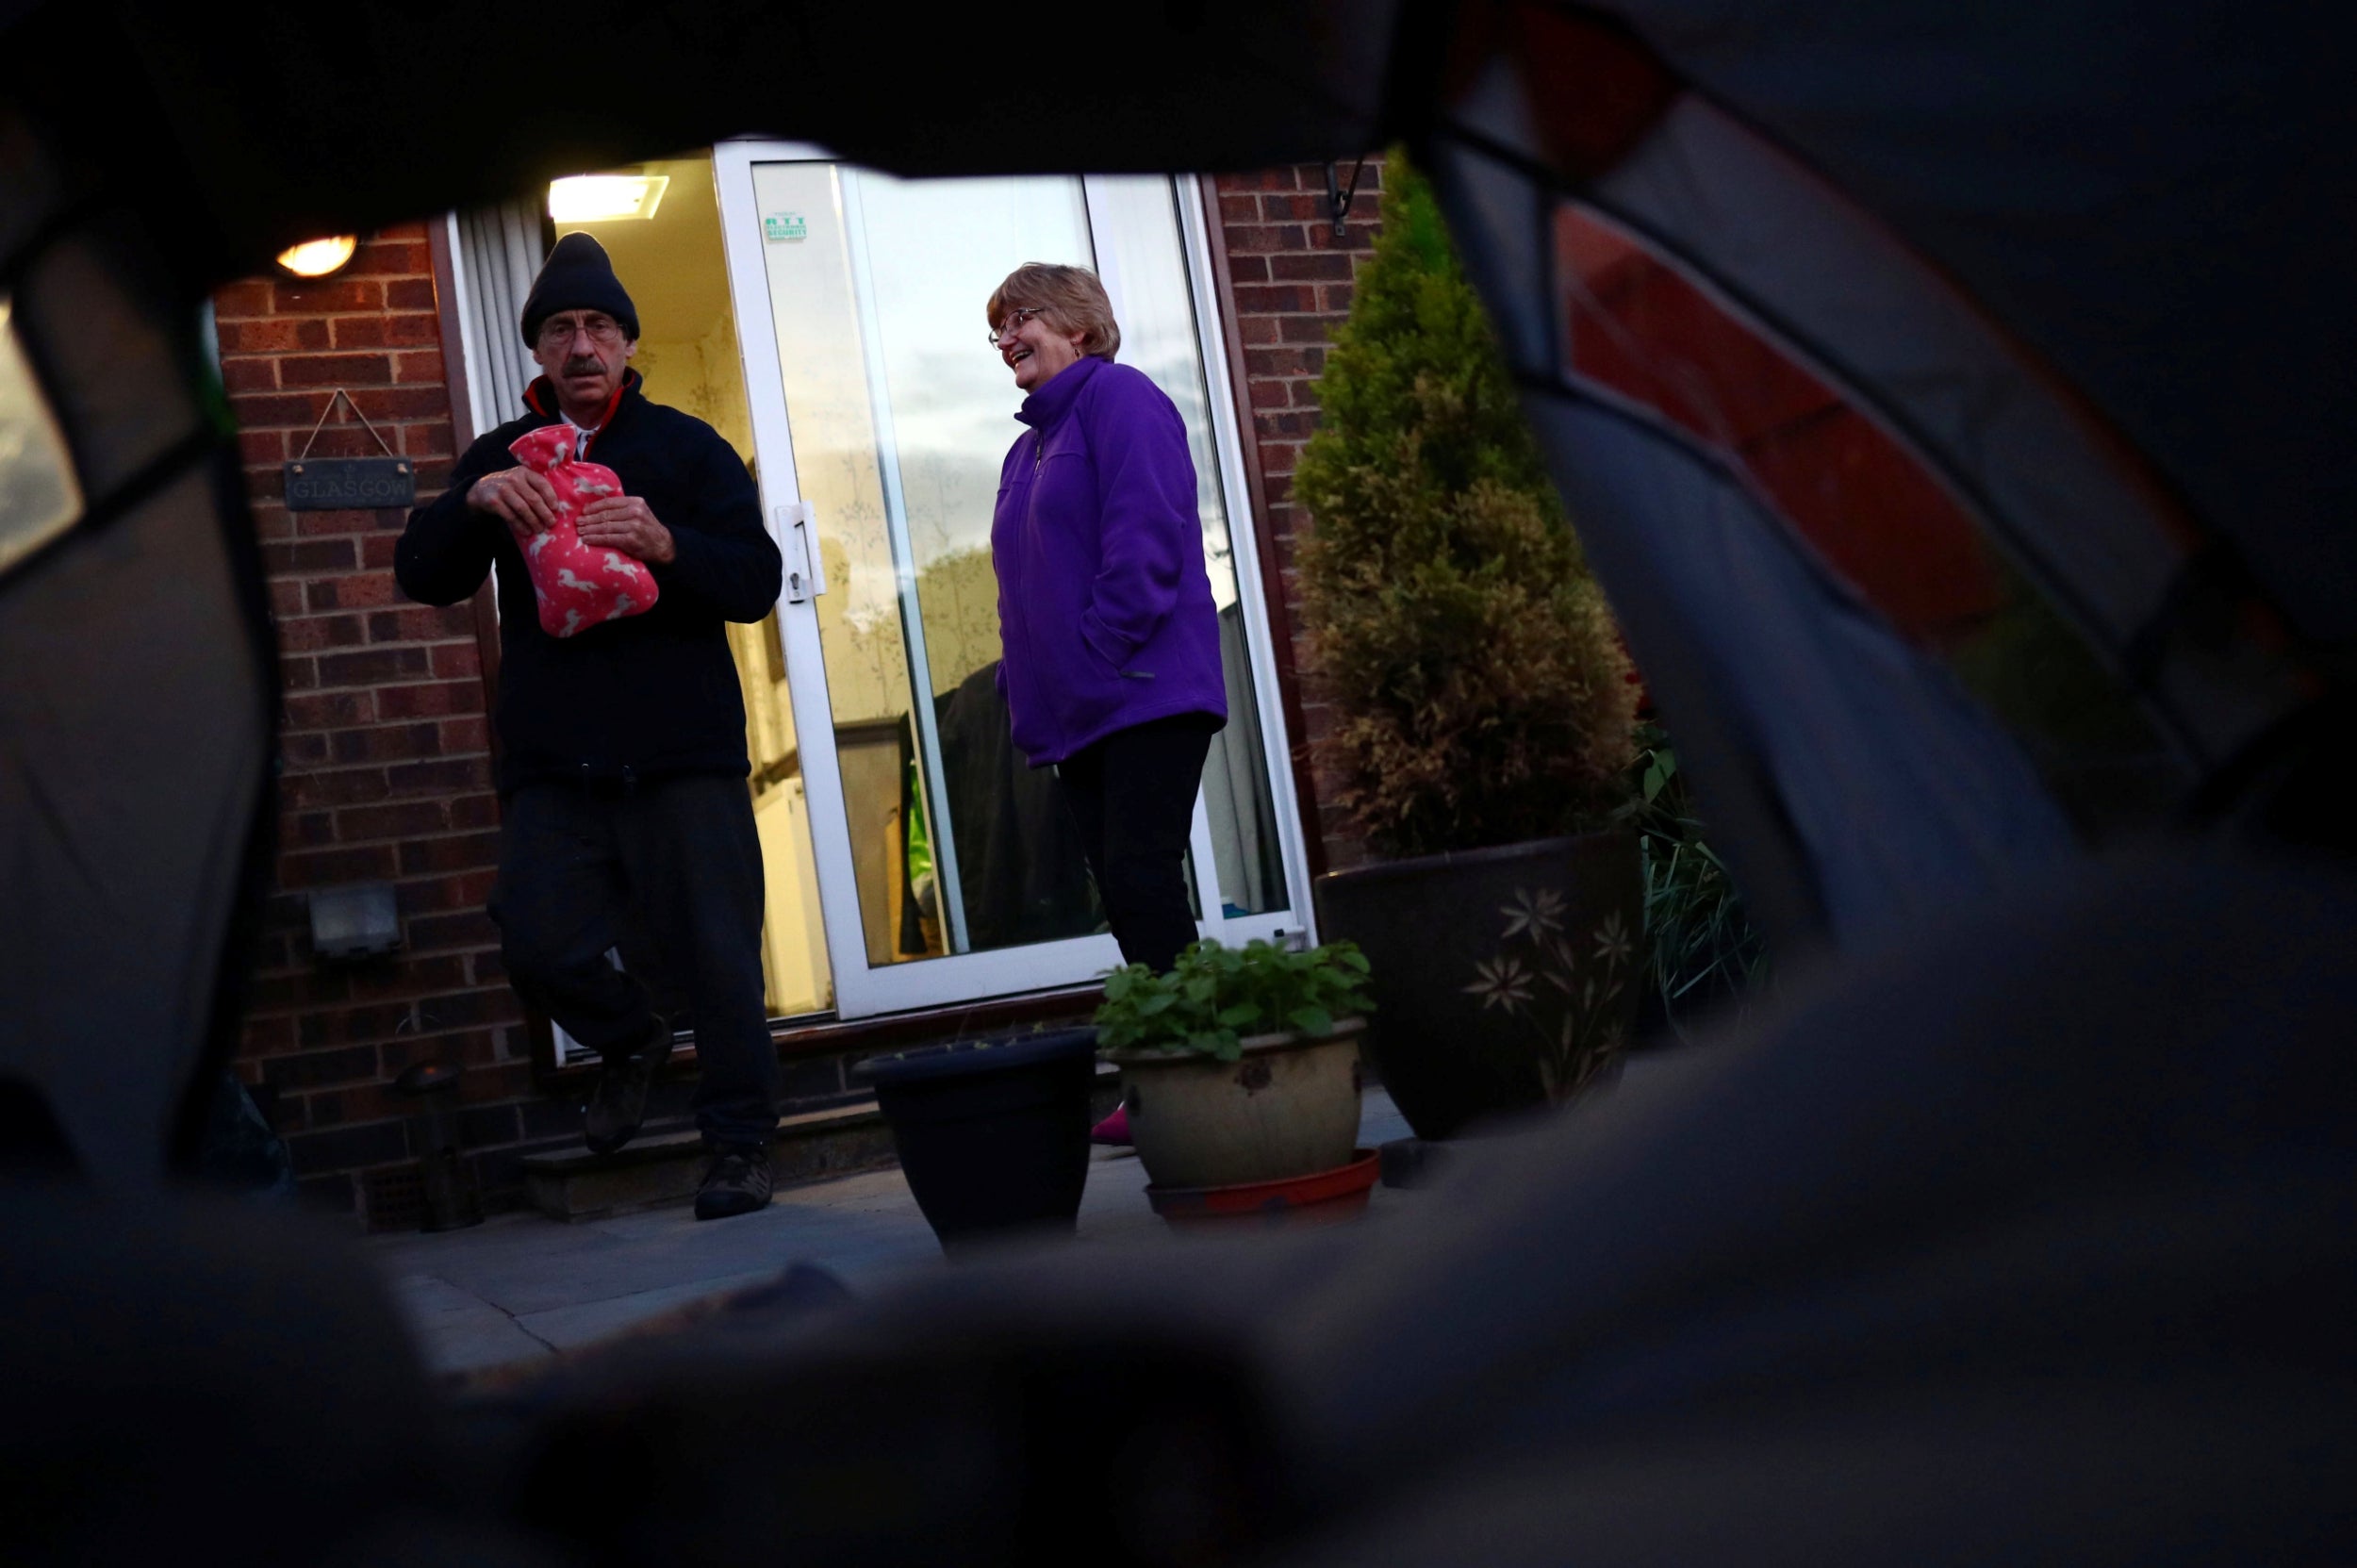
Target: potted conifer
column 1483, row 702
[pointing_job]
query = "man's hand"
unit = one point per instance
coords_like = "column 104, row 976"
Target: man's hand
column 523, row 499
column 623, row 522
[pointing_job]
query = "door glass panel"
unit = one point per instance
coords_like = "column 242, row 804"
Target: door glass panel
column 672, row 263
column 1138, row 222
column 899, row 416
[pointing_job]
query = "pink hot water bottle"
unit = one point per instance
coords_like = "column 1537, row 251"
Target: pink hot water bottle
column 578, row 586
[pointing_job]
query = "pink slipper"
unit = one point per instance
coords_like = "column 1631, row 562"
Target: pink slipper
column 1113, row 1128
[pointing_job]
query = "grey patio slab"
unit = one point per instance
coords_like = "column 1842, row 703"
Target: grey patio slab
column 522, row 1284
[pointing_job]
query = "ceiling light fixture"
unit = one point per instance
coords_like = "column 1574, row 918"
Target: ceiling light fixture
column 600, row 198
column 318, row 257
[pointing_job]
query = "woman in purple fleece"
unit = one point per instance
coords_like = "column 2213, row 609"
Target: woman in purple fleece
column 1110, row 643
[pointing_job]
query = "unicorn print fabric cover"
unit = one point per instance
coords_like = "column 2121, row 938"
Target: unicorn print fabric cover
column 578, row 587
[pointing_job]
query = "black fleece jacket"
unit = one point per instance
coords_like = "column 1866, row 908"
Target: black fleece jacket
column 648, row 695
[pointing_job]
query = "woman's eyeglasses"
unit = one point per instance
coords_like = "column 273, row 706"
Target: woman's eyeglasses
column 1013, row 323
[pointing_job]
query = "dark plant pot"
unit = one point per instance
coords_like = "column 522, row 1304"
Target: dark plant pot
column 1479, row 960
column 993, row 1134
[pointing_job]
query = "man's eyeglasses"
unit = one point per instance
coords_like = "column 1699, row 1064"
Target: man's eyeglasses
column 603, row 330
column 1014, row 323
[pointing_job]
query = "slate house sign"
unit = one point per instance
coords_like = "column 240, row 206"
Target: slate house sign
column 349, row 483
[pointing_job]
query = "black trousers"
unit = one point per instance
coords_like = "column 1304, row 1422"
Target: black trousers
column 668, row 871
column 1133, row 794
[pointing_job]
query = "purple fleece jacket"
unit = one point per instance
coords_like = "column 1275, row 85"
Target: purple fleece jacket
column 1105, row 612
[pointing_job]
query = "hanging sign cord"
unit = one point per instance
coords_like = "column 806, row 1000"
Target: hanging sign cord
column 346, row 397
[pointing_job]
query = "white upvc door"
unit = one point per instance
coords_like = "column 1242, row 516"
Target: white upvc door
column 879, row 415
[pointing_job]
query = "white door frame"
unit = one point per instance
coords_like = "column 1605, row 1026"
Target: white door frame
column 862, row 990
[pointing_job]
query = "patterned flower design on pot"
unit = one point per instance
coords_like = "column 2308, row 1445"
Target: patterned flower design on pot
column 577, row 586
column 1568, row 1001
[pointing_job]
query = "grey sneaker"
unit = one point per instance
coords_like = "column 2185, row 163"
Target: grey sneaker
column 737, row 1182
column 618, row 1103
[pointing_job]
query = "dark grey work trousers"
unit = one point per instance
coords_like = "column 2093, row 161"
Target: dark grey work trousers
column 669, row 872
column 1133, row 794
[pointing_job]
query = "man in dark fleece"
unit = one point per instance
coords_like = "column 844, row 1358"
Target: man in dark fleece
column 626, row 820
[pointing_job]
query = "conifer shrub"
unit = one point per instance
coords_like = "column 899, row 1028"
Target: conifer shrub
column 1480, row 687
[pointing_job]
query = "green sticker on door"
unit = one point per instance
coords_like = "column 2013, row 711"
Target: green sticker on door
column 776, row 226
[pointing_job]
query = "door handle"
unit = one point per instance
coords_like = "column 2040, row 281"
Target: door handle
column 805, row 574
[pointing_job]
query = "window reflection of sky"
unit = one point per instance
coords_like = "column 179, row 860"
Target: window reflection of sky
column 936, row 249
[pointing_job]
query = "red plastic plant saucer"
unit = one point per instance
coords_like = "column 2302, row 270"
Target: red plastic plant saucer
column 1321, row 1197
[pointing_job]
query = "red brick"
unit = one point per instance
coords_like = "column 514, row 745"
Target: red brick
column 389, row 257
column 249, row 375
column 272, row 335
column 287, row 408
column 285, row 598
column 1269, row 395
column 1248, row 268
column 315, row 633
column 418, row 702
column 1302, row 206
column 250, row 298
column 1336, row 297
column 476, row 811
column 1257, row 329
column 424, row 623
column 372, row 667
column 1274, row 298
column 297, row 674
column 403, row 231
column 344, row 787
column 261, row 446
column 1285, row 179
column 456, row 660
column 390, row 404
column 363, row 591
column 385, row 743
column 327, row 296
column 1330, row 266
column 271, row 521
column 347, row 438
column 444, row 776
column 461, row 735
column 409, row 294
column 427, row 440
column 310, row 829
column 1277, row 362
column 403, row 819
column 1240, row 209
column 327, row 867
column 330, row 710
column 334, row 369
column 421, row 364
column 473, row 928
column 378, row 549
column 462, row 853
column 1306, row 329
column 1262, row 239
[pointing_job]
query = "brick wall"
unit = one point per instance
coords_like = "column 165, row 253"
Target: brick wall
column 385, row 764
column 1292, row 281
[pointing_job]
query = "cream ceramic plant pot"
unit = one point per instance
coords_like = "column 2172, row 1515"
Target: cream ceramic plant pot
column 1288, row 1106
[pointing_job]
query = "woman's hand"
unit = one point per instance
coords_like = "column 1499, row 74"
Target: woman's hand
column 625, row 522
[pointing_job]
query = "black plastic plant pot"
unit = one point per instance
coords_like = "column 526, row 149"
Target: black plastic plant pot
column 993, row 1134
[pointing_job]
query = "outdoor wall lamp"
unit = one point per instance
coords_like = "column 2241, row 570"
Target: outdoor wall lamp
column 318, row 257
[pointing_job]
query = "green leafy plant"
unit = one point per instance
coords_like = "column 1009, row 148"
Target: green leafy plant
column 1480, row 692
column 1217, row 995
column 1701, row 947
